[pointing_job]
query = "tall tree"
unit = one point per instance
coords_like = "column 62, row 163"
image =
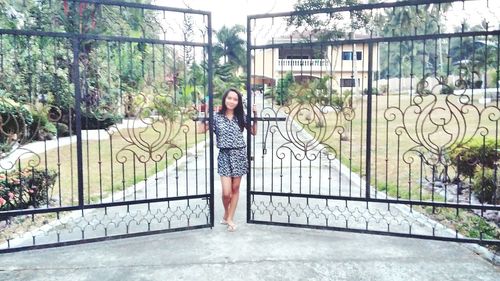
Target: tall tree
column 230, row 47
column 399, row 21
column 40, row 66
column 331, row 26
column 410, row 56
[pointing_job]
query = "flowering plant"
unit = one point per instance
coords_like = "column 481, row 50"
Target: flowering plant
column 25, row 188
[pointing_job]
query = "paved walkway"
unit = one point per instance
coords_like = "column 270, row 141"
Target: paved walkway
column 253, row 252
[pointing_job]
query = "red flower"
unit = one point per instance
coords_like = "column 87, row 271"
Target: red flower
column 2, row 201
column 11, row 195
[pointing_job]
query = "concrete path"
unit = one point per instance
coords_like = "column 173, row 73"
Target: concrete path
column 7, row 161
column 253, row 252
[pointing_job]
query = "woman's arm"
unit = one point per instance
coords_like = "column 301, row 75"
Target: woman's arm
column 202, row 127
column 253, row 129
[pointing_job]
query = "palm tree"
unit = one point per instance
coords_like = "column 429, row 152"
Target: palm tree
column 230, row 46
column 474, row 57
column 406, row 21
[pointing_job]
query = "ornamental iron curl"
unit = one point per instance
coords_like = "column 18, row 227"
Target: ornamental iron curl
column 441, row 124
column 151, row 134
column 18, row 127
column 307, row 128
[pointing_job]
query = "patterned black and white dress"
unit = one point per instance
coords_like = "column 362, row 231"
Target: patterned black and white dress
column 232, row 160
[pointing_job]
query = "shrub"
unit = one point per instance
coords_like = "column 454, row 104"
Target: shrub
column 485, row 185
column 492, row 78
column 166, row 107
column 342, row 101
column 41, row 128
column 477, row 152
column 15, row 119
column 283, row 89
column 268, row 93
column 102, row 120
column 62, row 130
column 133, row 104
column 383, row 89
column 374, row 91
column 25, row 188
column 447, row 90
column 478, row 84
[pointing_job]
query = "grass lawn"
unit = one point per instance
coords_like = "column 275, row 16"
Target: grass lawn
column 116, row 161
column 398, row 127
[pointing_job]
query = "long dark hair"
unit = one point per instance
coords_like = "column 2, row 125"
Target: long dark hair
column 238, row 111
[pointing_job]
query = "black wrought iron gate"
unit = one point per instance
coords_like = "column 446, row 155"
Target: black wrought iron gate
column 374, row 118
column 97, row 102
column 377, row 118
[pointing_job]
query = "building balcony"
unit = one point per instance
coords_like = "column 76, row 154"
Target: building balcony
column 302, row 64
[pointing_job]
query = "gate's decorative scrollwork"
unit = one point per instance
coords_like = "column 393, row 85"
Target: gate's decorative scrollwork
column 309, row 126
column 150, row 136
column 435, row 124
column 18, row 127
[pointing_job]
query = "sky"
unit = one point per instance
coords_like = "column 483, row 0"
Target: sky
column 231, row 12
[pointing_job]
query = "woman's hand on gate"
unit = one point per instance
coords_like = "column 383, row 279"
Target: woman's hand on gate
column 253, row 129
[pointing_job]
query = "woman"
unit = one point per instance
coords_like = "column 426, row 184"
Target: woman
column 232, row 162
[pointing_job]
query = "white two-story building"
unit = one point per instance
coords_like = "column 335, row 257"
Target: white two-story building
column 346, row 64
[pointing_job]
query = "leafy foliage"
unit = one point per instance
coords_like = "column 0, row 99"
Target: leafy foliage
column 478, row 152
column 283, row 89
column 15, row 120
column 25, row 188
column 485, row 185
column 229, row 46
column 327, row 27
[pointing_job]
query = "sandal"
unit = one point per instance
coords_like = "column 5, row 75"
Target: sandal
column 223, row 221
column 231, row 227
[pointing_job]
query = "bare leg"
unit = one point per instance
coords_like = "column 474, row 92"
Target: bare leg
column 226, row 195
column 235, row 194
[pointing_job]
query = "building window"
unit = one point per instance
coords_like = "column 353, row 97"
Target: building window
column 348, row 55
column 347, row 82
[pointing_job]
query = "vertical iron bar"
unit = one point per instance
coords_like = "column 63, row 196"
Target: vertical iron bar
column 264, row 134
column 78, row 118
column 375, row 182
column 111, row 168
column 249, row 100
column 386, row 184
column 369, row 120
column 211, row 117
